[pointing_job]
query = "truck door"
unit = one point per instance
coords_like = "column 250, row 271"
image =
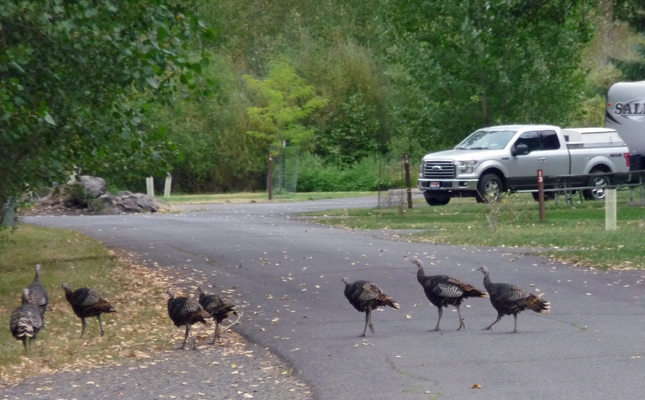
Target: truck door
column 523, row 167
column 554, row 160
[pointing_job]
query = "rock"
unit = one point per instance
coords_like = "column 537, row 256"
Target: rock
column 148, row 203
column 88, row 193
column 104, row 205
column 125, row 202
column 93, row 186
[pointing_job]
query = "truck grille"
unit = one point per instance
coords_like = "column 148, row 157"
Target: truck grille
column 438, row 169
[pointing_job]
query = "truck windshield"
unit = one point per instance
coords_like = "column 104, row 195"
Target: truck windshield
column 485, row 140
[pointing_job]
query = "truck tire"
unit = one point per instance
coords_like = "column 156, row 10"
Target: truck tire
column 489, row 188
column 599, row 184
column 436, row 201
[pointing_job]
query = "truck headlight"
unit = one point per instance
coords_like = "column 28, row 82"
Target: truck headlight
column 465, row 167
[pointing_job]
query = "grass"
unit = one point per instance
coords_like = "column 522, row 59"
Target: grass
column 574, row 234
column 259, row 197
column 140, row 328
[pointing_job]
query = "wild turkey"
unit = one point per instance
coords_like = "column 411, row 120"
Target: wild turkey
column 37, row 293
column 87, row 303
column 217, row 308
column 443, row 291
column 365, row 297
column 185, row 311
column 26, row 321
column 509, row 299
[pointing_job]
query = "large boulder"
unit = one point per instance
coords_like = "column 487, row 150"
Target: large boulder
column 93, row 186
column 125, row 202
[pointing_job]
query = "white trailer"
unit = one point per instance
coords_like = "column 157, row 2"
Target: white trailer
column 626, row 114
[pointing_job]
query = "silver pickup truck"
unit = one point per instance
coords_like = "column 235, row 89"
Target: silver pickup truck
column 506, row 158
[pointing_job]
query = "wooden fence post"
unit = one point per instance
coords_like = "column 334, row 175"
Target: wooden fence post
column 166, row 189
column 270, row 177
column 408, row 184
column 541, row 194
column 150, row 186
column 610, row 210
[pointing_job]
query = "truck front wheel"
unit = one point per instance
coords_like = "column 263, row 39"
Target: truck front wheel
column 489, row 188
column 599, row 183
column 436, row 201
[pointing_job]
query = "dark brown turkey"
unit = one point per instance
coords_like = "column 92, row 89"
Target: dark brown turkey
column 37, row 293
column 444, row 291
column 87, row 303
column 365, row 297
column 185, row 311
column 510, row 299
column 26, row 321
column 217, row 308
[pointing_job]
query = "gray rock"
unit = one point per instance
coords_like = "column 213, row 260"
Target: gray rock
column 125, row 202
column 93, row 186
column 89, row 193
column 104, row 205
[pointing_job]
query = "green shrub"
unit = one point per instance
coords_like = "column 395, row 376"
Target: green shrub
column 370, row 174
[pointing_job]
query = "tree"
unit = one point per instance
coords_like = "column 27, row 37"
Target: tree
column 632, row 12
column 286, row 101
column 476, row 63
column 76, row 79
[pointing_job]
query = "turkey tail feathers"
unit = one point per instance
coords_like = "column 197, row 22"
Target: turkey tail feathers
column 535, row 303
column 105, row 307
column 388, row 301
column 472, row 292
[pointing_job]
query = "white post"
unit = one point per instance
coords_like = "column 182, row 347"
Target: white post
column 166, row 189
column 610, row 209
column 150, row 186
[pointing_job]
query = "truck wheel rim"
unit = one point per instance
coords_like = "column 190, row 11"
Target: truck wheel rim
column 491, row 191
column 598, row 191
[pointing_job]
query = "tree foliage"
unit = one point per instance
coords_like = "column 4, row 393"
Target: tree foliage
column 76, row 79
column 286, row 101
column 477, row 63
column 632, row 12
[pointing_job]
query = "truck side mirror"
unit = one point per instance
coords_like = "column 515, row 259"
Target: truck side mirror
column 519, row 150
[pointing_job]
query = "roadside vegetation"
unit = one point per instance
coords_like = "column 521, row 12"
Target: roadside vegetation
column 572, row 233
column 139, row 329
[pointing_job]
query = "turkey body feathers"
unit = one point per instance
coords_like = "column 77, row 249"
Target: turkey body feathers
column 509, row 299
column 365, row 297
column 37, row 293
column 217, row 308
column 184, row 311
column 26, row 321
column 87, row 303
column 443, row 291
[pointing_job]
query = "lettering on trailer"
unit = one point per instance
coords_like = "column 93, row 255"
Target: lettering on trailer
column 633, row 110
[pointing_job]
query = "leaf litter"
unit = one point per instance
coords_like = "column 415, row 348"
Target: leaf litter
column 140, row 334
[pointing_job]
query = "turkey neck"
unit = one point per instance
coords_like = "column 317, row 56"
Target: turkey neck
column 421, row 274
column 487, row 282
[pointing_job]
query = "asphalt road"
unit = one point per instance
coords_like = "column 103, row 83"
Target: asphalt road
column 285, row 272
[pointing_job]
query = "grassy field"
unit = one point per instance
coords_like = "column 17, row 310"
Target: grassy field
column 259, row 197
column 573, row 233
column 140, row 328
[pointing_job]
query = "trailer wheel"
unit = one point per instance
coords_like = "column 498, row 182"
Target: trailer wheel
column 599, row 183
column 489, row 188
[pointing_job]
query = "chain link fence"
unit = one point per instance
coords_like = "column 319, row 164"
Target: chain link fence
column 285, row 170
